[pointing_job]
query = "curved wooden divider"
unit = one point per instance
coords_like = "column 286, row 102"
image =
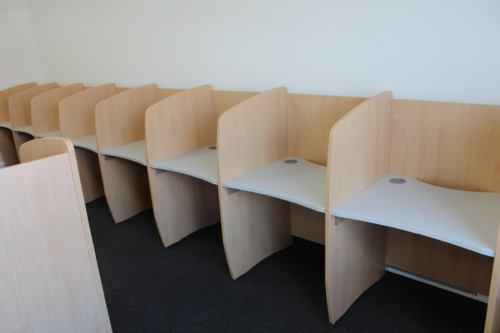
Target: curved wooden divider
column 7, row 144
column 20, row 111
column 53, row 224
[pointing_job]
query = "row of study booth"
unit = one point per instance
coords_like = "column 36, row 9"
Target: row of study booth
column 379, row 181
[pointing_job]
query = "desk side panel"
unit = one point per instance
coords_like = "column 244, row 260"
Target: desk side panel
column 8, row 147
column 45, row 107
column 4, row 99
column 20, row 104
column 77, row 112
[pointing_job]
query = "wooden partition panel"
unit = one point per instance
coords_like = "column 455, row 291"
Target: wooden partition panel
column 493, row 313
column 4, row 99
column 8, row 147
column 20, row 104
column 45, row 107
column 77, row 112
column 120, row 119
column 225, row 100
column 62, row 280
column 176, row 125
column 358, row 156
column 250, row 135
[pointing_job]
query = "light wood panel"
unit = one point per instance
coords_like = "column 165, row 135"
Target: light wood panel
column 4, row 99
column 493, row 313
column 224, row 100
column 252, row 134
column 165, row 93
column 90, row 174
column 439, row 260
column 359, row 149
column 310, row 119
column 20, row 104
column 55, row 227
column 450, row 145
column 8, row 147
column 355, row 254
column 307, row 223
column 45, row 108
column 180, row 124
column 21, row 138
column 77, row 112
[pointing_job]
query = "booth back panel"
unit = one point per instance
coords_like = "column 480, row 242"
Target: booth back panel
column 77, row 112
column 20, row 104
column 45, row 107
column 4, row 99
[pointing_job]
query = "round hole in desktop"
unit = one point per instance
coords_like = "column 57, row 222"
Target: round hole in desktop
column 212, row 148
column 397, row 180
column 291, row 161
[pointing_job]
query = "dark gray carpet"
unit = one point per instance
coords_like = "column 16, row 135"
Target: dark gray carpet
column 187, row 288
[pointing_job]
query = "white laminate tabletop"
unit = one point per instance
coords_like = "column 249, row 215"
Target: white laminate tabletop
column 25, row 129
column 135, row 151
column 6, row 124
column 200, row 163
column 87, row 142
column 466, row 219
column 51, row 134
column 303, row 183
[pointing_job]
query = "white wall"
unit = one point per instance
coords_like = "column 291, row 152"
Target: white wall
column 445, row 50
column 18, row 56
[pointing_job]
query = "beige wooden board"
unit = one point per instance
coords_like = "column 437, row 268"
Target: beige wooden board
column 310, row 119
column 77, row 112
column 20, row 104
column 45, row 107
column 4, row 99
column 307, row 223
column 90, row 174
column 42, row 207
column 225, row 100
column 21, row 138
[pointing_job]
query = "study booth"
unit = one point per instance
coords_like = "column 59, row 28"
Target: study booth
column 120, row 134
column 69, row 112
column 20, row 112
column 7, row 145
column 181, row 137
column 414, row 185
column 50, row 279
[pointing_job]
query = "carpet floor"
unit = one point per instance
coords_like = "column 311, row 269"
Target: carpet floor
column 187, row 288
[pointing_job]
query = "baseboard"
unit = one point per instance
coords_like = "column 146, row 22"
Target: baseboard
column 438, row 284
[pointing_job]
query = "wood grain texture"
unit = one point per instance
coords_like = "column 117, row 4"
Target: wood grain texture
column 165, row 93
column 182, row 204
column 359, row 149
column 355, row 254
column 307, row 223
column 439, row 260
column 120, row 119
column 45, row 108
column 4, row 99
column 8, row 147
column 77, row 112
column 252, row 134
column 450, row 145
column 21, row 138
column 224, row 100
column 179, row 124
column 90, row 174
column 310, row 119
column 20, row 104
column 493, row 312
column 254, row 226
column 56, row 227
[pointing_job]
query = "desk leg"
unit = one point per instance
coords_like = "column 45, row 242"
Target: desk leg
column 355, row 260
column 20, row 138
column 126, row 187
column 90, row 174
column 254, row 226
column 8, row 147
column 182, row 204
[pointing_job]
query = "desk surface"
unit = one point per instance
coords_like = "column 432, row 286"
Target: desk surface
column 51, row 134
column 87, row 142
column 303, row 183
column 200, row 163
column 135, row 151
column 466, row 219
column 25, row 129
column 6, row 124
